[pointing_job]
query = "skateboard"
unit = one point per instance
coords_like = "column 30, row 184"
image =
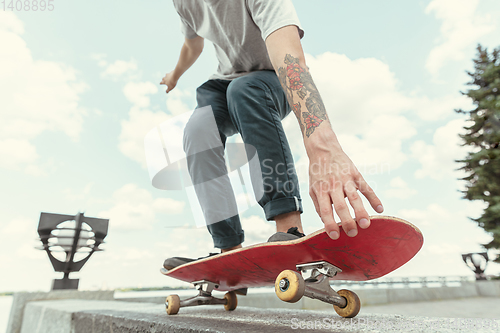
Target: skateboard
column 302, row 267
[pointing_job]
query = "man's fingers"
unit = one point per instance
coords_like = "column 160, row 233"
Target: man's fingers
column 370, row 195
column 326, row 214
column 340, row 205
column 362, row 217
column 315, row 200
column 169, row 89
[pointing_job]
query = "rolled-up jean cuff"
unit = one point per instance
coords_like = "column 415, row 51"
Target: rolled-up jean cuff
column 282, row 206
column 228, row 242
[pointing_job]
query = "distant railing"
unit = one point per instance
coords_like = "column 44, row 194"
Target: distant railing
column 409, row 282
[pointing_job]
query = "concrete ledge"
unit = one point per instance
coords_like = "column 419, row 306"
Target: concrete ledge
column 21, row 299
column 84, row 316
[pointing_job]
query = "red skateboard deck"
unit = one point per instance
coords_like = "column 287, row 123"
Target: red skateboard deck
column 386, row 245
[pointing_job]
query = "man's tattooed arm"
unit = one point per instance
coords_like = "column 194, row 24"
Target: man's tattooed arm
column 332, row 175
column 301, row 91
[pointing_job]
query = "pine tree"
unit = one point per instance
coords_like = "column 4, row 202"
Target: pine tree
column 482, row 164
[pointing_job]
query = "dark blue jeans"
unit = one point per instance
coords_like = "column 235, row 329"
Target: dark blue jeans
column 252, row 105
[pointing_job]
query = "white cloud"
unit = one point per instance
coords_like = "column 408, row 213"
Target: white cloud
column 168, row 205
column 381, row 143
column 36, row 96
column 175, row 103
column 357, row 91
column 10, row 22
column 36, row 170
column 119, row 69
column 137, row 93
column 438, row 158
column 444, row 248
column 19, row 240
column 141, row 120
column 27, row 251
column 187, row 242
column 399, row 189
column 432, row 214
column 16, row 153
column 257, row 230
column 440, row 108
column 134, row 130
column 129, row 256
column 19, row 226
column 83, row 196
column 135, row 208
column 6, row 260
column 100, row 58
column 461, row 28
column 448, row 232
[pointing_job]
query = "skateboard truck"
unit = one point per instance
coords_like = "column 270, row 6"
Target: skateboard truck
column 173, row 303
column 291, row 286
column 318, row 282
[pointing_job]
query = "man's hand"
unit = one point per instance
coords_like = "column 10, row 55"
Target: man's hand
column 170, row 81
column 190, row 51
column 333, row 178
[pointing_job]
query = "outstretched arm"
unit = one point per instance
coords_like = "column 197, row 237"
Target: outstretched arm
column 332, row 175
column 190, row 52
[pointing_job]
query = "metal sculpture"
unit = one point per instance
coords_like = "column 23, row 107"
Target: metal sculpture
column 71, row 235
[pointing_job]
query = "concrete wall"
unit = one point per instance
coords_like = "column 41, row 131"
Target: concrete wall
column 85, row 316
column 21, row 299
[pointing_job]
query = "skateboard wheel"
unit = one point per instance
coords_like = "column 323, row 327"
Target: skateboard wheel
column 231, row 301
column 173, row 304
column 289, row 286
column 353, row 304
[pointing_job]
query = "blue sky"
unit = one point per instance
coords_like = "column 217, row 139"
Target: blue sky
column 79, row 91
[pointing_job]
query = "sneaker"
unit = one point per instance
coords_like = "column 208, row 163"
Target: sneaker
column 173, row 262
column 291, row 234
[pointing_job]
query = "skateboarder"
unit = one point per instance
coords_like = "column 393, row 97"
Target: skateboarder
column 262, row 76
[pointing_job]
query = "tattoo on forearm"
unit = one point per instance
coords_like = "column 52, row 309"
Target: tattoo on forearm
column 297, row 81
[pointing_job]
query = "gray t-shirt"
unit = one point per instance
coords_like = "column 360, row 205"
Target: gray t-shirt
column 238, row 29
